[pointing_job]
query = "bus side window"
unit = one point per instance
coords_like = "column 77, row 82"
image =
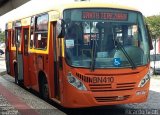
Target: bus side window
column 18, row 36
column 41, row 32
column 13, row 39
column 31, row 32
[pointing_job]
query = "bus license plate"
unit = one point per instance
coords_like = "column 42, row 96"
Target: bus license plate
column 102, row 79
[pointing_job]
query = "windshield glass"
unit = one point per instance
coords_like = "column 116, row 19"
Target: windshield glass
column 91, row 37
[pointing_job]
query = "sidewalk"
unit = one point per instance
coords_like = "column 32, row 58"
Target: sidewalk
column 14, row 100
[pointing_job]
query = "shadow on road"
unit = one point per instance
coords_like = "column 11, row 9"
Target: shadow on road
column 103, row 110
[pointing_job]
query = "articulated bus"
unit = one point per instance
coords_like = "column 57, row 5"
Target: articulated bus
column 81, row 54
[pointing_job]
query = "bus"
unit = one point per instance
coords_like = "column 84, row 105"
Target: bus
column 82, row 54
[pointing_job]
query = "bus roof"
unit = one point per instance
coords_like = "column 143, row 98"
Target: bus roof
column 97, row 5
column 84, row 4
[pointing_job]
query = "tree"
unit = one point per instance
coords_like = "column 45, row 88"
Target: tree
column 154, row 25
column 2, row 36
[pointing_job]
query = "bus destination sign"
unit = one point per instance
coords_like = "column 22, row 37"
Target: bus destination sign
column 117, row 16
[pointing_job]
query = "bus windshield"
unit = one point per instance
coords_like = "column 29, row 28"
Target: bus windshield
column 105, row 38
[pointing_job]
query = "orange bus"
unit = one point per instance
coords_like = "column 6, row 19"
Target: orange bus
column 81, row 54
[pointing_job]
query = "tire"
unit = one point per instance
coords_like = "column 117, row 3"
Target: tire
column 44, row 90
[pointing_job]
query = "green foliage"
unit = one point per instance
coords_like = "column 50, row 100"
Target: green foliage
column 2, row 36
column 154, row 25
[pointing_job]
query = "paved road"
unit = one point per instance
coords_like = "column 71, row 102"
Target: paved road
column 151, row 107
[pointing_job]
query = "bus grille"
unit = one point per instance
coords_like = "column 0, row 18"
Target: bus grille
column 84, row 78
column 112, row 98
column 106, row 87
column 109, row 87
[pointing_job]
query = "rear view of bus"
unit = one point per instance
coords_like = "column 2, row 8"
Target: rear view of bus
column 106, row 55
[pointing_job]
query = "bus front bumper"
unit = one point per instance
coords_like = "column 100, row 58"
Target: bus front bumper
column 80, row 99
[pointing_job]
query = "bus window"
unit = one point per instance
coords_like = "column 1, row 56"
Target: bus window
column 18, row 32
column 31, row 32
column 41, row 40
column 74, row 41
column 13, row 39
column 127, row 34
column 18, row 36
column 25, row 35
column 41, row 32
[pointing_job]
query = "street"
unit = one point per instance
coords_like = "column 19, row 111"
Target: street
column 151, row 107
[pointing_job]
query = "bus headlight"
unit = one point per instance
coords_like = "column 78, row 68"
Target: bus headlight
column 144, row 80
column 75, row 82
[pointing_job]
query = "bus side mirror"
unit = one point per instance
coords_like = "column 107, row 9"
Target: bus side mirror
column 149, row 38
column 60, row 28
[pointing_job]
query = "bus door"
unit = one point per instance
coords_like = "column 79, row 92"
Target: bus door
column 56, row 63
column 19, row 64
column 25, row 39
column 7, row 50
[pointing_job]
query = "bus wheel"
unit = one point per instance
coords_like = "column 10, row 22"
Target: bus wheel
column 44, row 89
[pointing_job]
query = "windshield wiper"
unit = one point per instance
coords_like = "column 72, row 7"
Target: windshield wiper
column 93, row 55
column 126, row 54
